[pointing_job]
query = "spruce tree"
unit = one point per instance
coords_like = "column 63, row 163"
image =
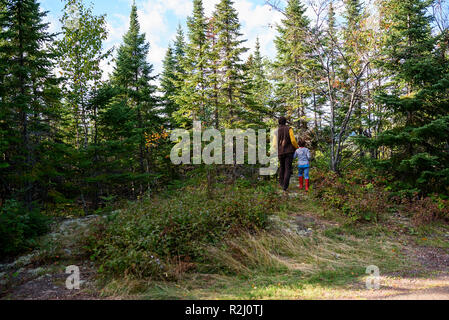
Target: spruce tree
column 193, row 97
column 133, row 76
column 292, row 62
column 172, row 78
column 415, row 97
column 214, row 73
column 168, row 86
column 29, row 96
column 179, row 51
column 234, row 97
column 261, row 87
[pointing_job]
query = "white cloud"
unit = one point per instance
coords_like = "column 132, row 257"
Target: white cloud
column 54, row 23
column 209, row 6
column 153, row 22
column 258, row 20
column 181, row 8
column 158, row 20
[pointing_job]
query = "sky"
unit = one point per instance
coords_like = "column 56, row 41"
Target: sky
column 159, row 20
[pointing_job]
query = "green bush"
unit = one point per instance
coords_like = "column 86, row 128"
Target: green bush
column 145, row 238
column 19, row 228
column 356, row 194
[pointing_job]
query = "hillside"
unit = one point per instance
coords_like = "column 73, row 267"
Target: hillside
column 299, row 250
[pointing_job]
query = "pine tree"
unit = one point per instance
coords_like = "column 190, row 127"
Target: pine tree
column 168, row 86
column 415, row 97
column 132, row 76
column 172, row 77
column 29, row 96
column 234, row 97
column 292, row 62
column 261, row 88
column 193, row 96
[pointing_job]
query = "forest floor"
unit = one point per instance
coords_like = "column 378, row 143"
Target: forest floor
column 413, row 263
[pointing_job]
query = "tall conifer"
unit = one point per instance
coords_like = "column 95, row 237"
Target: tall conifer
column 133, row 77
column 234, row 97
column 193, row 97
column 29, row 96
column 416, row 96
column 292, row 62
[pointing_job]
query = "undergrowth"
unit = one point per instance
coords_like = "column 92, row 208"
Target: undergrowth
column 163, row 236
column 362, row 196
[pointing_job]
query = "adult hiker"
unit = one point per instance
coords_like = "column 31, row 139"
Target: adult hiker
column 287, row 146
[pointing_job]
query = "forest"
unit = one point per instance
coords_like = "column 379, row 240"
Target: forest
column 364, row 84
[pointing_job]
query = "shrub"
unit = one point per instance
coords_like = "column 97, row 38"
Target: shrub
column 355, row 195
column 145, row 238
column 19, row 228
column 427, row 209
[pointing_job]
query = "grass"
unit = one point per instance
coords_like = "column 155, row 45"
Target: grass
column 268, row 262
column 278, row 264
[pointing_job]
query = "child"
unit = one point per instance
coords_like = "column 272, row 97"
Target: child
column 303, row 156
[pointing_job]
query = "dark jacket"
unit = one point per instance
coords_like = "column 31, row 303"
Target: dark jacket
column 286, row 141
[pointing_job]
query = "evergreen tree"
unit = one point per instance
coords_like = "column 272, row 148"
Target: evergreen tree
column 29, row 98
column 193, row 95
column 292, row 62
column 415, row 97
column 179, row 52
column 214, row 72
column 234, row 97
column 132, row 76
column 261, row 87
column 172, row 77
column 169, row 85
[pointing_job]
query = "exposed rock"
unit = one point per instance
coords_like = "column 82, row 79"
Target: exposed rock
column 291, row 226
column 37, row 271
column 21, row 279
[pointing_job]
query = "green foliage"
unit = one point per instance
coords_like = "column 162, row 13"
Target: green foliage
column 80, row 54
column 142, row 239
column 356, row 196
column 193, row 97
column 293, row 62
column 132, row 76
column 77, row 144
column 417, row 98
column 260, row 88
column 171, row 79
column 28, row 102
column 19, row 228
column 233, row 96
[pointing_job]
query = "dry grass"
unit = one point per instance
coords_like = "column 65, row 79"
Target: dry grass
column 282, row 251
column 272, row 265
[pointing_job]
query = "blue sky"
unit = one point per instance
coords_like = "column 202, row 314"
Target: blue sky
column 159, row 20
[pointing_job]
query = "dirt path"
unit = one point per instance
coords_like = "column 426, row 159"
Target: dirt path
column 397, row 288
column 433, row 285
column 429, row 281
